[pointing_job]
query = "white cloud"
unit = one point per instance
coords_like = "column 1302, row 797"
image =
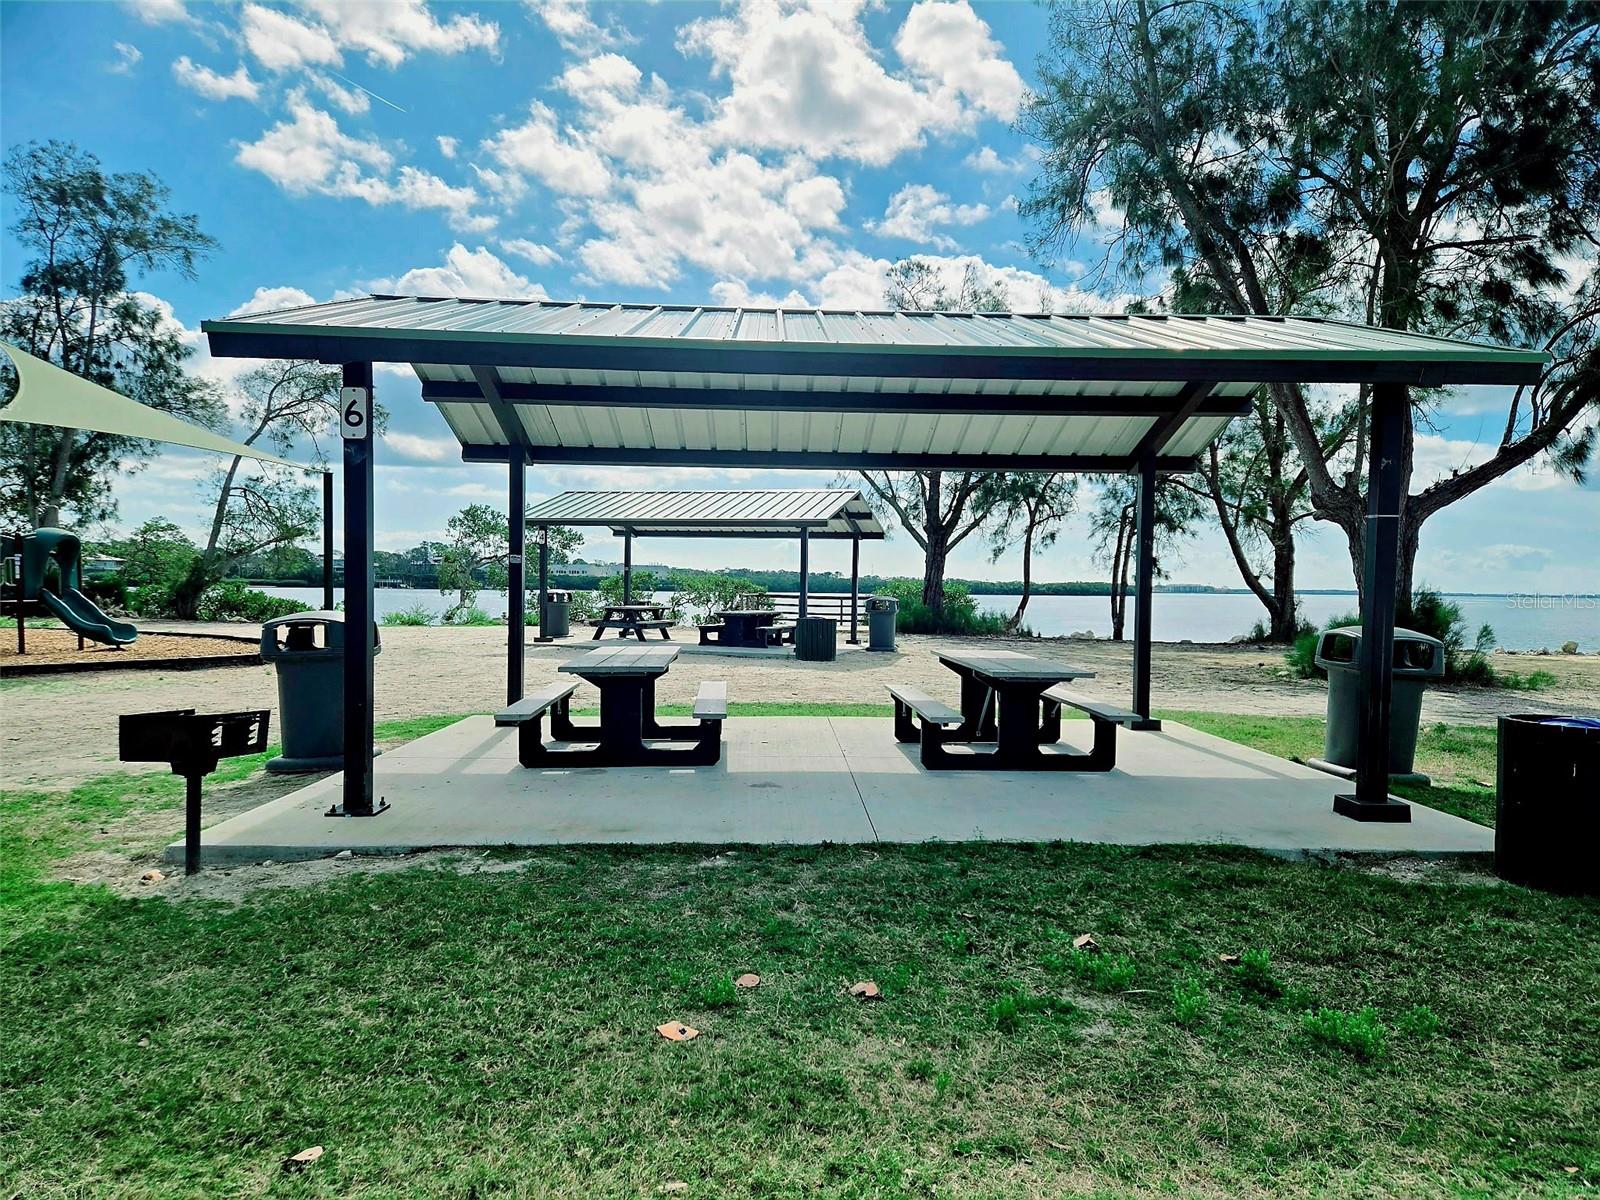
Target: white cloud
column 947, row 44
column 988, row 160
column 423, row 449
column 352, row 100
column 159, row 12
column 538, row 148
column 574, row 28
column 538, row 254
column 477, row 273
column 311, row 154
column 859, row 281
column 917, row 208
column 1435, row 457
column 128, row 56
column 735, row 293
column 447, row 145
column 388, row 31
column 213, row 86
column 279, row 42
column 273, row 299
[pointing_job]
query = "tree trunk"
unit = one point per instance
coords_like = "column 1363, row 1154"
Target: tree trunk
column 937, row 538
column 1015, row 623
column 1283, row 613
column 1119, row 572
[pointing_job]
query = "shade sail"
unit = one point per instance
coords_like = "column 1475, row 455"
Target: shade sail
column 47, row 395
column 622, row 384
column 749, row 512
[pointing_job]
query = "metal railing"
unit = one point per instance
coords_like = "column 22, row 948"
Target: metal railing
column 834, row 605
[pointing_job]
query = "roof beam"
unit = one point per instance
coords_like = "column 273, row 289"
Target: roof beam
column 459, row 391
column 243, row 339
column 489, row 385
column 616, row 456
column 1190, row 398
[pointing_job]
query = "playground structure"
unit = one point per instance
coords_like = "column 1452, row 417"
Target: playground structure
column 32, row 588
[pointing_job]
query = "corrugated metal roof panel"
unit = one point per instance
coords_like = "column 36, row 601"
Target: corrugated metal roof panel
column 826, row 512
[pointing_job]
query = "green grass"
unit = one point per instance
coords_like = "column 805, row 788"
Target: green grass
column 1460, row 759
column 443, row 1031
column 476, row 1034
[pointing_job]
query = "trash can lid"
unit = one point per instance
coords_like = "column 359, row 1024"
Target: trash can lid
column 1572, row 722
column 316, row 615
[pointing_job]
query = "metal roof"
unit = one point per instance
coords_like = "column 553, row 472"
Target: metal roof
column 639, row 384
column 768, row 512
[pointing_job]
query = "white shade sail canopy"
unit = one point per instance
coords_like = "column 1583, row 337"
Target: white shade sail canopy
column 749, row 512
column 47, row 395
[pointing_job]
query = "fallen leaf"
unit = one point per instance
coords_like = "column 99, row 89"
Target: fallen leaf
column 1056, row 1145
column 299, row 1162
column 866, row 990
column 677, row 1031
column 1229, row 960
column 1570, row 1170
column 676, row 1185
column 968, row 916
column 748, row 980
column 151, row 877
column 1085, row 941
column 144, row 1043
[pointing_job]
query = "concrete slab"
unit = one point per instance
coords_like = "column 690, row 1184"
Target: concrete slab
column 839, row 779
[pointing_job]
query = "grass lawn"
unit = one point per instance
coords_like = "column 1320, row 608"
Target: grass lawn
column 485, row 1025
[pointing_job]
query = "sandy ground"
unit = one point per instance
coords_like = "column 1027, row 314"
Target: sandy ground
column 58, row 730
column 61, row 646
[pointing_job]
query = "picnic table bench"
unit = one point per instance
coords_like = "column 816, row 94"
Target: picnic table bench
column 1012, row 700
column 626, row 679
column 750, row 627
column 632, row 619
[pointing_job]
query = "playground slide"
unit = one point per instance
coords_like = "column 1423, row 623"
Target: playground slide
column 79, row 614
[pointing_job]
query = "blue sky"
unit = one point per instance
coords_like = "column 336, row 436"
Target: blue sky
column 748, row 153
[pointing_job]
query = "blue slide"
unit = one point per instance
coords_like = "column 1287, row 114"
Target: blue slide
column 79, row 614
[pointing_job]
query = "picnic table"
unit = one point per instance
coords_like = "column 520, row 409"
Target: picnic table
column 1013, row 700
column 746, row 627
column 626, row 678
column 633, row 619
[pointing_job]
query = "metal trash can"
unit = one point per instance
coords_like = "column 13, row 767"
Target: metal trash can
column 555, row 618
column 308, row 650
column 881, row 612
column 816, row 639
column 1417, row 659
column 1547, row 803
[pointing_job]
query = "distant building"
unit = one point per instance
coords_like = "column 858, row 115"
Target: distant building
column 98, row 566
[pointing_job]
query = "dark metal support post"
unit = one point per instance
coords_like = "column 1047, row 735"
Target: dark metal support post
column 627, row 566
column 516, row 578
column 855, row 587
column 191, row 822
column 805, row 568
column 327, row 541
column 359, row 626
column 544, row 581
column 1144, row 589
column 1380, row 572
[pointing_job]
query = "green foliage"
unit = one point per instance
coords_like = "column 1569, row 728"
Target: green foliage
column 1255, row 975
column 1017, row 1002
column 1190, row 1001
column 1533, row 681
column 417, row 614
column 157, row 554
column 1095, row 969
column 231, row 600
column 700, row 593
column 1302, row 656
column 470, row 615
column 1360, row 1033
column 719, row 993
column 87, row 238
column 961, row 615
column 1418, row 1021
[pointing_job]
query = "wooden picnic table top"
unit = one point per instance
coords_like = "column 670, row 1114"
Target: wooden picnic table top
column 621, row 660
column 1009, row 666
column 611, row 608
column 747, row 612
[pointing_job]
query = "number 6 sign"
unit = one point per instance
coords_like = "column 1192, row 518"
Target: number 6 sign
column 355, row 412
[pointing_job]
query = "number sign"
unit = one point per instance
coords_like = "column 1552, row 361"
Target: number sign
column 355, row 412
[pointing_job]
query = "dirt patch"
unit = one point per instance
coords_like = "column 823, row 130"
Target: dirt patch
column 58, row 648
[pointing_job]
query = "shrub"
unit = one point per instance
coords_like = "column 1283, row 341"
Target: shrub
column 108, row 592
column 1301, row 656
column 472, row 615
column 1359, row 1033
column 1190, row 1001
column 961, row 615
column 699, row 594
column 417, row 614
column 1534, row 681
column 231, row 600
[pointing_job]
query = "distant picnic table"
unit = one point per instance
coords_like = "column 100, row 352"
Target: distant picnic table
column 632, row 620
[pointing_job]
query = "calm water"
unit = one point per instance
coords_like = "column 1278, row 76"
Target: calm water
column 1519, row 622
